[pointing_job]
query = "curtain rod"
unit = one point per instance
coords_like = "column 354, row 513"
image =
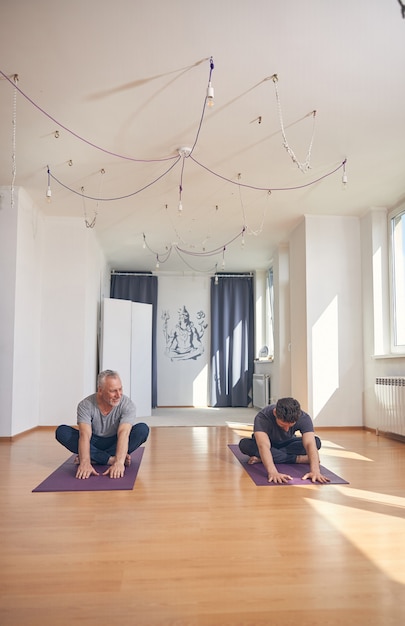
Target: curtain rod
column 220, row 275
column 113, row 272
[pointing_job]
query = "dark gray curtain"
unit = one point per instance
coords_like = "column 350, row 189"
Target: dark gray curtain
column 232, row 340
column 140, row 288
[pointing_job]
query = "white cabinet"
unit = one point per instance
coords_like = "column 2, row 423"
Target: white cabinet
column 126, row 346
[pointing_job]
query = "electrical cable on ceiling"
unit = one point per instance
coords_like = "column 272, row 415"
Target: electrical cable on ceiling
column 271, row 189
column 305, row 165
column 175, row 157
column 163, row 257
column 129, row 195
column 183, row 153
column 210, row 270
column 94, row 220
column 93, row 145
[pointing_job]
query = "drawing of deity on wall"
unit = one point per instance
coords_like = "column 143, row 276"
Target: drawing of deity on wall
column 184, row 341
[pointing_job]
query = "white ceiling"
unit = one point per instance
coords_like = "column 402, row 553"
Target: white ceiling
column 129, row 78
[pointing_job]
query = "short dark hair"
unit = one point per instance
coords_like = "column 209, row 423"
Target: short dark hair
column 288, row 410
column 101, row 378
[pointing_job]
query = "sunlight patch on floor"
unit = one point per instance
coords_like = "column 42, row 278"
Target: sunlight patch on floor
column 326, row 443
column 343, row 454
column 244, row 430
column 371, row 496
column 371, row 533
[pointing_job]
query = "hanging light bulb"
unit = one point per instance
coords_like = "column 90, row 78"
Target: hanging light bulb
column 48, row 190
column 157, row 263
column 210, row 95
column 180, row 205
column 210, row 88
column 344, row 177
column 344, row 181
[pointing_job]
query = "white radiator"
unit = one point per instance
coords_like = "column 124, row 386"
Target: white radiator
column 261, row 390
column 390, row 393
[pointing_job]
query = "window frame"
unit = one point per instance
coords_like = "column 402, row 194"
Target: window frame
column 396, row 347
column 269, row 307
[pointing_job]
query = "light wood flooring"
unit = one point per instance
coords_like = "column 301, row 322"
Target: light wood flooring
column 196, row 543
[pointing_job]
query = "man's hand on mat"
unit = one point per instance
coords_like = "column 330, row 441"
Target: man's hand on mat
column 116, row 470
column 276, row 477
column 85, row 470
column 316, row 477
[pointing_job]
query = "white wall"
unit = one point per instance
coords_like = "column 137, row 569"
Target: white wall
column 326, row 322
column 72, row 284
column 97, row 280
column 51, row 280
column 182, row 382
column 298, row 315
column 8, row 261
column 51, row 275
column 334, row 320
column 20, row 282
column 26, row 366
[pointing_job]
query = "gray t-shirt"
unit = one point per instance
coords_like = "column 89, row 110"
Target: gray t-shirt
column 105, row 425
column 265, row 421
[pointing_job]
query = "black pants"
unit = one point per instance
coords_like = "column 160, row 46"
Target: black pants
column 101, row 448
column 282, row 451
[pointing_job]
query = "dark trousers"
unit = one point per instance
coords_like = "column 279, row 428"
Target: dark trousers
column 101, row 448
column 282, row 451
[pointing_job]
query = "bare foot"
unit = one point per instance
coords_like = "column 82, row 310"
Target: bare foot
column 127, row 461
column 253, row 460
column 303, row 458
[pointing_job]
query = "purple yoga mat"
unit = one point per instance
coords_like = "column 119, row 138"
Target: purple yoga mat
column 64, row 478
column 258, row 473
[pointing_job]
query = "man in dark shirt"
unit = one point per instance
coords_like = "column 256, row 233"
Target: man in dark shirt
column 274, row 441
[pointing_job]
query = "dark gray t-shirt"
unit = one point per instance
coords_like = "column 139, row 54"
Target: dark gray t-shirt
column 105, row 425
column 265, row 421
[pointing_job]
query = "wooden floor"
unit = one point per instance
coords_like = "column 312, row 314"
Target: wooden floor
column 196, row 543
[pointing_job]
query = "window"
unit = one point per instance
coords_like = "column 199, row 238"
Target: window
column 397, row 246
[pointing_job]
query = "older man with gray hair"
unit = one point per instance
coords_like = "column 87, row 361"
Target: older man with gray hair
column 107, row 431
